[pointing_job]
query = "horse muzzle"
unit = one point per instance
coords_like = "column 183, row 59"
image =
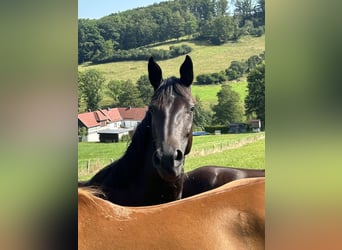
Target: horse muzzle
column 169, row 164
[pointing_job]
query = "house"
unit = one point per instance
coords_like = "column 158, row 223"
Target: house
column 111, row 123
column 114, row 135
column 255, row 125
column 236, row 128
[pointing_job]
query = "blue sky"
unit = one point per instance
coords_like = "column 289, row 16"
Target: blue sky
column 100, row 8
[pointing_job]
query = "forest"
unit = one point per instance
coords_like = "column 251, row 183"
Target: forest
column 128, row 35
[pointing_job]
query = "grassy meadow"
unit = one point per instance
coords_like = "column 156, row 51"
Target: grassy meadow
column 206, row 59
column 244, row 153
column 208, row 93
column 238, row 150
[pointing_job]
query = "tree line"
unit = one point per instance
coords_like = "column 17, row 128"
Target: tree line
column 230, row 108
column 102, row 40
column 236, row 70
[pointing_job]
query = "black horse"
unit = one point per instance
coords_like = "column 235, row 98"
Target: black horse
column 151, row 170
column 209, row 177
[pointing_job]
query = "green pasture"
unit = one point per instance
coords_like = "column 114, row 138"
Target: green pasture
column 251, row 155
column 237, row 150
column 208, row 93
column 206, row 59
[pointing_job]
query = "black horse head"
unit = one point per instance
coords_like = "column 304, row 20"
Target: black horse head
column 171, row 110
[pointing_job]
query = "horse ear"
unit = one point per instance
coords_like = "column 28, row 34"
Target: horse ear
column 186, row 72
column 154, row 73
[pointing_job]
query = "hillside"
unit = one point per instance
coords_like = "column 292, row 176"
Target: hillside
column 206, row 59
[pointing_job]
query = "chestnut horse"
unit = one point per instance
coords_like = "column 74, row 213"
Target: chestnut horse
column 229, row 217
column 151, row 170
column 209, row 177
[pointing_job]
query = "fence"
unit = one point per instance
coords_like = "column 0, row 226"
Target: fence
column 90, row 166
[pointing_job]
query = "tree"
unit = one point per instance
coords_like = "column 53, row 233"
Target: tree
column 223, row 29
column 80, row 99
column 104, row 52
column 218, row 30
column 109, row 27
column 255, row 99
column 254, row 60
column 145, row 88
column 202, row 117
column 176, row 25
column 221, row 7
column 130, row 95
column 236, row 70
column 260, row 12
column 114, row 90
column 90, row 41
column 91, row 84
column 229, row 108
column 244, row 9
column 191, row 24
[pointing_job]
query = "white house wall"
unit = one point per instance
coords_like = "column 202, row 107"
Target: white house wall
column 113, row 125
column 129, row 123
column 93, row 136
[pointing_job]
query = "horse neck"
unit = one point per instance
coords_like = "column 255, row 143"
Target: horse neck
column 159, row 191
column 140, row 150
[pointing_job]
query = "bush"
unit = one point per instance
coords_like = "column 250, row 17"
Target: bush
column 82, row 131
column 259, row 31
column 125, row 138
column 179, row 50
column 236, row 70
column 145, row 53
column 253, row 61
column 212, row 78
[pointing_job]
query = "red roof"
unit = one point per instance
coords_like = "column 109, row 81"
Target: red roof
column 94, row 118
column 133, row 113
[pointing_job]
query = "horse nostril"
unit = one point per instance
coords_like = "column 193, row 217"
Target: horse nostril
column 178, row 155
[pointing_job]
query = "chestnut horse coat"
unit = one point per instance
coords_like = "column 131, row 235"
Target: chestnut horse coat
column 229, row 217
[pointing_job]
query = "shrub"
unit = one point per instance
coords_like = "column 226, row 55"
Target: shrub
column 212, row 78
column 236, row 70
column 145, row 53
column 125, row 138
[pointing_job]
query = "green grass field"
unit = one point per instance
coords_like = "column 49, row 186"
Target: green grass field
column 250, row 155
column 208, row 93
column 206, row 59
column 238, row 150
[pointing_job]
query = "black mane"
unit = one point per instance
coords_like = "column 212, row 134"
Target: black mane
column 167, row 89
column 127, row 166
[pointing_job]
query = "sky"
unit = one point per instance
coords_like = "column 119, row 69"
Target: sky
column 95, row 9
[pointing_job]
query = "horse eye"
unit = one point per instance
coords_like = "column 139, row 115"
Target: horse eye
column 192, row 108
